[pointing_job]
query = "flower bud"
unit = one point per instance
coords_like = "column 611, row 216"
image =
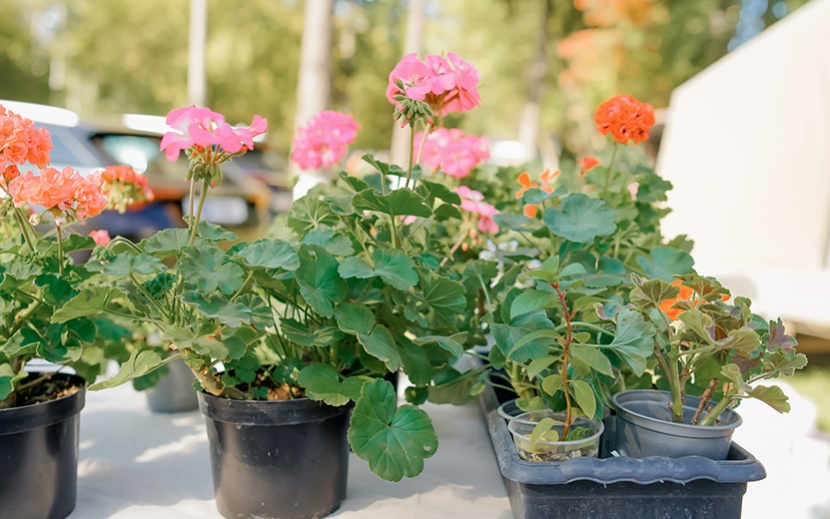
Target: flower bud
column 34, row 219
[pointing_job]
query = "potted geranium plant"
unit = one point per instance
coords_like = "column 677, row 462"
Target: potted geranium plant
column 599, row 225
column 39, row 410
column 710, row 354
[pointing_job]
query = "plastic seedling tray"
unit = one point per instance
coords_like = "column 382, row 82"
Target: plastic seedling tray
column 657, row 487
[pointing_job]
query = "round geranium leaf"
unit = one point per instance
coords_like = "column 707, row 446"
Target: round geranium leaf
column 395, row 441
column 581, row 219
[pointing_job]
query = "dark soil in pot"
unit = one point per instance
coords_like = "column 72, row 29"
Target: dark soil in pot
column 39, row 449
column 277, row 459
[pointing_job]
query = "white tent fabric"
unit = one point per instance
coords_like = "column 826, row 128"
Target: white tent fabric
column 747, row 147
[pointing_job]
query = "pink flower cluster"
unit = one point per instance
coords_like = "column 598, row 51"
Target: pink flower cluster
column 203, row 128
column 453, row 152
column 66, row 194
column 473, row 201
column 446, row 84
column 21, row 142
column 125, row 187
column 323, row 140
column 100, row 236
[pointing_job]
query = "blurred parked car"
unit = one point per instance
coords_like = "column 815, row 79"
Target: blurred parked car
column 240, row 204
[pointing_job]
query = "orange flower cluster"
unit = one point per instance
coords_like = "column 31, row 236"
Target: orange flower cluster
column 525, row 181
column 607, row 13
column 587, row 164
column 686, row 294
column 625, row 118
column 125, row 187
column 65, row 194
column 20, row 142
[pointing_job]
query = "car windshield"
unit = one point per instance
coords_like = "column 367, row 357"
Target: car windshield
column 70, row 149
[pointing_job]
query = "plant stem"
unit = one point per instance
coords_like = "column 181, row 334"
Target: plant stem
column 704, row 399
column 23, row 223
column 60, row 251
column 712, row 416
column 194, row 223
column 611, row 166
column 411, row 156
column 516, row 381
column 674, row 384
column 566, row 348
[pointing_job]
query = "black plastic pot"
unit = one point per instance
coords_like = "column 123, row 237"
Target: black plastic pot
column 174, row 391
column 284, row 459
column 691, row 487
column 39, row 456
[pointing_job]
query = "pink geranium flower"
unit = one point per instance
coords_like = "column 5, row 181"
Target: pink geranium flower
column 446, row 84
column 473, row 201
column 101, row 237
column 453, row 152
column 323, row 140
column 203, row 128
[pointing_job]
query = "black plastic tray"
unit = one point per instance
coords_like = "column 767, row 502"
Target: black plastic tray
column 691, row 487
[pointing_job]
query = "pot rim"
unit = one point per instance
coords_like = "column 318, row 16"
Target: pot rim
column 623, row 409
column 550, row 414
column 267, row 412
column 43, row 414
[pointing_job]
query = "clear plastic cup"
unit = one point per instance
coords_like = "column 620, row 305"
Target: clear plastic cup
column 589, row 431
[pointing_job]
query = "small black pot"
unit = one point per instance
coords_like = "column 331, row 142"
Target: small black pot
column 280, row 459
column 39, row 456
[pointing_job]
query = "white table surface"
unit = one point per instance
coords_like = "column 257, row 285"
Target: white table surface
column 137, row 465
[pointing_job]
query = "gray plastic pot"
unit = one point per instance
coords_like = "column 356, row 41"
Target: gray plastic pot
column 645, row 427
column 174, row 391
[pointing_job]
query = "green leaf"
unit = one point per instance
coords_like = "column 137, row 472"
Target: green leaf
column 401, row 202
column 206, row 268
column 416, row 363
column 89, row 301
column 381, row 345
column 215, row 233
column 309, row 213
column 742, row 339
column 516, row 222
column 395, row 442
column 651, row 293
column 526, row 337
column 541, row 430
column 540, row 364
column 531, row 301
column 167, row 242
column 309, row 336
column 8, row 379
column 335, row 244
column 592, row 356
column 218, row 307
column 391, row 265
column 269, row 254
column 552, row 383
column 454, row 388
column 141, row 362
column 354, row 318
column 445, row 297
column 585, row 398
column 321, row 382
column 634, row 340
column 453, row 343
column 429, row 190
column 773, row 396
column 320, row 284
column 126, row 263
column 581, row 219
column 664, row 263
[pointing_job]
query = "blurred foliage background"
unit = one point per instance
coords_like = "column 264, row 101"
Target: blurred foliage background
column 101, row 57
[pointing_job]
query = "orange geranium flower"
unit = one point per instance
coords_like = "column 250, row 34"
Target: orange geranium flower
column 684, row 295
column 625, row 118
column 526, row 182
column 587, row 164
